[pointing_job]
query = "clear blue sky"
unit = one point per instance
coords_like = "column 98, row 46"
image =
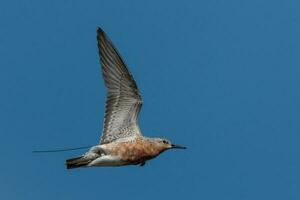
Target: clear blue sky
column 221, row 77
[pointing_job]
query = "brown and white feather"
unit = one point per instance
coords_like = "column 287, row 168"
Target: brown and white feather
column 123, row 101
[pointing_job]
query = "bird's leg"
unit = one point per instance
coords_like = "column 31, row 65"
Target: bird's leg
column 97, row 150
column 142, row 164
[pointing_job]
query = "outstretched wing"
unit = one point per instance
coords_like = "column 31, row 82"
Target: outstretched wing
column 123, row 101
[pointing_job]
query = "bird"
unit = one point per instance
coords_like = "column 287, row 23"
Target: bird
column 122, row 142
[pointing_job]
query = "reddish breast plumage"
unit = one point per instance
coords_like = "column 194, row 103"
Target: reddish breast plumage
column 136, row 151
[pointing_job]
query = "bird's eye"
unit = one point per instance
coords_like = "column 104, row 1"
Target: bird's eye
column 165, row 142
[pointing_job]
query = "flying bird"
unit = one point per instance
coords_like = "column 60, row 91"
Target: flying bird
column 122, row 142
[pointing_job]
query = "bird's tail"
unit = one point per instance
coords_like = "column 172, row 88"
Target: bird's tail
column 77, row 162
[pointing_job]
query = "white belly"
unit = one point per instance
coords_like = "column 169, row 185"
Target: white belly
column 107, row 160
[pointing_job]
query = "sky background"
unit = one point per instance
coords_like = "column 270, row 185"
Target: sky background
column 221, row 77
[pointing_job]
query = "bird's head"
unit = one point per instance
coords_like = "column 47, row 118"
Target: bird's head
column 166, row 144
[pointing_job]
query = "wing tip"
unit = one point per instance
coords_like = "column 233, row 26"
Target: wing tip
column 100, row 31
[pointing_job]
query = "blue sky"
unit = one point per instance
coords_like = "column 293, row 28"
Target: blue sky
column 221, row 77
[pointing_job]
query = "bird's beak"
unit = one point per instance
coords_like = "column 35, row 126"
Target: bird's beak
column 175, row 146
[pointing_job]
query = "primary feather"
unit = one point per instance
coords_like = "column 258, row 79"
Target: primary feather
column 123, row 101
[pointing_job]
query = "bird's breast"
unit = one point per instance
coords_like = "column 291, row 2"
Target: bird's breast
column 135, row 151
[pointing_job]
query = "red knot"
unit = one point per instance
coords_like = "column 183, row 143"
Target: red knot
column 122, row 142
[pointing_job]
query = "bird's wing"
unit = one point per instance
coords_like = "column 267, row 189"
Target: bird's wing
column 123, row 101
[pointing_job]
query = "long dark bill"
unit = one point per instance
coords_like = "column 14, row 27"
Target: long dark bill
column 176, row 146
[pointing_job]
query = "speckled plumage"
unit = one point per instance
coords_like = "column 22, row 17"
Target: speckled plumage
column 122, row 142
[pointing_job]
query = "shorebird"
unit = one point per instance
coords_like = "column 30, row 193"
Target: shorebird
column 122, row 142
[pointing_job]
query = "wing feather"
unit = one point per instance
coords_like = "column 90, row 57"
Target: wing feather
column 123, row 101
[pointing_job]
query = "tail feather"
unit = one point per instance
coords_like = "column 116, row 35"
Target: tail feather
column 77, row 162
